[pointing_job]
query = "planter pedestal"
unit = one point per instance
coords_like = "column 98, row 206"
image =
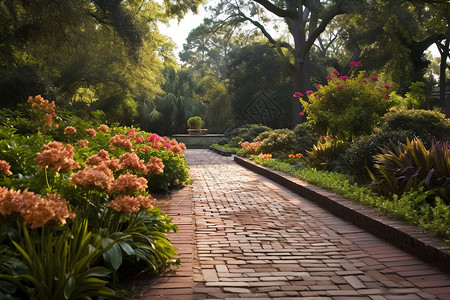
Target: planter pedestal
column 197, row 131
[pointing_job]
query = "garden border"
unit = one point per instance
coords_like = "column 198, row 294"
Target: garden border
column 407, row 237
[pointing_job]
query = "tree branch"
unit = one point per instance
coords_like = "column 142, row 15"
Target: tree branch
column 292, row 14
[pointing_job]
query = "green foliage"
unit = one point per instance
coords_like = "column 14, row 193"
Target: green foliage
column 359, row 154
column 403, row 168
column 425, row 124
column 412, row 207
column 253, row 148
column 247, row 132
column 324, row 154
column 306, row 137
column 278, row 142
column 347, row 107
column 195, row 122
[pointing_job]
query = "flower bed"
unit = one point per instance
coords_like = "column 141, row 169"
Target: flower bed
column 76, row 208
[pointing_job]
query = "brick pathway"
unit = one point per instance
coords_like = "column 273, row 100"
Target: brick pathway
column 255, row 239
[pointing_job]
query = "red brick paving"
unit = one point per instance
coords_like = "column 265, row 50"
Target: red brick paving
column 255, row 239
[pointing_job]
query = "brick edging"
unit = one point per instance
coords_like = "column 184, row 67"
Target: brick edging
column 220, row 151
column 407, row 237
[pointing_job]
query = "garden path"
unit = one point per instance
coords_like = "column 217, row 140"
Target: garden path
column 256, row 239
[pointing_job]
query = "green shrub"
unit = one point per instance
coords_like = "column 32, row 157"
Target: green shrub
column 195, row 122
column 325, row 153
column 278, row 142
column 306, row 137
column 253, row 148
column 403, row 168
column 425, row 124
column 246, row 133
column 359, row 154
column 347, row 107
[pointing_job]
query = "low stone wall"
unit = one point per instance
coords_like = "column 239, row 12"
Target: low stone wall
column 198, row 141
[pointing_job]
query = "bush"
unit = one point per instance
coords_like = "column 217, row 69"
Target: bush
column 306, row 137
column 195, row 122
column 404, row 168
column 359, row 154
column 246, row 133
column 278, row 142
column 253, row 148
column 325, row 153
column 425, row 124
column 347, row 107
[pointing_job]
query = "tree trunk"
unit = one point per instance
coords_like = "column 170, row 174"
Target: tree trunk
column 442, row 80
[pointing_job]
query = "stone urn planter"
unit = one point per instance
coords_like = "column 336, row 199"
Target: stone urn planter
column 195, row 126
column 197, row 131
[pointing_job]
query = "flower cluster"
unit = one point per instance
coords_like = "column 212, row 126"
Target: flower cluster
column 46, row 107
column 155, row 166
column 131, row 161
column 265, row 156
column 4, row 168
column 120, row 141
column 129, row 204
column 91, row 132
column 251, row 148
column 298, row 155
column 69, row 130
column 128, row 183
column 57, row 157
column 98, row 177
column 82, row 144
column 35, row 210
column 103, row 128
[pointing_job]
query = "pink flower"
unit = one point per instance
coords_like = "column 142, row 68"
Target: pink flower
column 373, row 78
column 335, row 72
column 139, row 139
column 387, row 86
column 319, row 96
column 344, row 78
column 393, row 111
column 365, row 81
column 387, row 96
column 329, row 78
column 301, row 113
column 57, row 157
column 309, row 92
column 318, row 85
column 298, row 95
column 354, row 64
column 340, row 87
column 128, row 183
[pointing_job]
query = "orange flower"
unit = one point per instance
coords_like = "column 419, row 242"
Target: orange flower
column 98, row 177
column 34, row 209
column 103, row 128
column 129, row 204
column 70, row 130
column 155, row 166
column 98, row 158
column 57, row 157
column 4, row 167
column 291, row 155
column 82, row 144
column 121, row 142
column 128, row 183
column 91, row 132
column 40, row 103
column 130, row 160
column 265, row 156
column 298, row 155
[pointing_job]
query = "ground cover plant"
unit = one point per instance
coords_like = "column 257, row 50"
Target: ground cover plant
column 76, row 205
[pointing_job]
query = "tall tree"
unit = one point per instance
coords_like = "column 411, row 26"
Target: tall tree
column 306, row 20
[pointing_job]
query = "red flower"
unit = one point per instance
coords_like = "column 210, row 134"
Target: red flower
column 387, row 86
column 340, row 87
column 373, row 78
column 329, row 77
column 309, row 92
column 301, row 113
column 335, row 72
column 318, row 85
column 344, row 78
column 393, row 111
column 298, row 95
column 354, row 64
